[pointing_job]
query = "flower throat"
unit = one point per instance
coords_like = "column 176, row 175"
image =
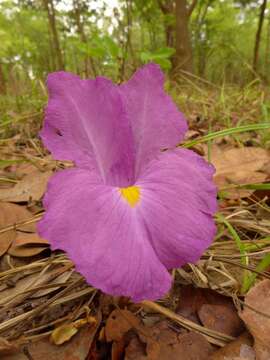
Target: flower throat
column 131, row 194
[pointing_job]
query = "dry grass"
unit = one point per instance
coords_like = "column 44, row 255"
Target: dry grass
column 41, row 292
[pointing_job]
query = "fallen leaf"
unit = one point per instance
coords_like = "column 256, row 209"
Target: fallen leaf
column 11, row 214
column 7, row 347
column 63, row 333
column 14, row 214
column 118, row 349
column 193, row 346
column 6, row 239
column 165, row 344
column 25, row 245
column 221, row 318
column 236, row 348
column 75, row 349
column 258, row 304
column 190, row 301
column 135, row 350
column 172, row 346
column 31, row 187
column 119, row 323
column 238, row 166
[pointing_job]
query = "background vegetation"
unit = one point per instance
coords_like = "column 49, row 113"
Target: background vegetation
column 219, row 40
column 215, row 52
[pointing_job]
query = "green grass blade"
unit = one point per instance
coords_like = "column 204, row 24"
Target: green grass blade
column 251, row 186
column 265, row 186
column 263, row 264
column 6, row 163
column 241, row 247
column 226, row 132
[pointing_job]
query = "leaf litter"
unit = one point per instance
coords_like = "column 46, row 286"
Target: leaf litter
column 47, row 309
column 239, row 166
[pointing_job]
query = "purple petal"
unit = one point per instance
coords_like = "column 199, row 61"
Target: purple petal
column 122, row 248
column 178, row 203
column 103, row 236
column 86, row 122
column 155, row 120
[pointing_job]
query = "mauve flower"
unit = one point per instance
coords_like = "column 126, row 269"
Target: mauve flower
column 127, row 212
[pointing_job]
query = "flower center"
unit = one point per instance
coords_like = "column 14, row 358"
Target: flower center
column 131, row 194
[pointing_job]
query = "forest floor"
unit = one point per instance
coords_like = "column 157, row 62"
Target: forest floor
column 217, row 309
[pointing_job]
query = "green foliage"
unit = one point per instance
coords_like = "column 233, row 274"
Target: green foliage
column 161, row 56
column 116, row 41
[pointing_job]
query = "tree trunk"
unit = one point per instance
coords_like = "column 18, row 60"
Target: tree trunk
column 267, row 51
column 127, row 41
column 258, row 36
column 183, row 52
column 168, row 9
column 49, row 7
column 199, row 40
column 3, row 88
column 89, row 66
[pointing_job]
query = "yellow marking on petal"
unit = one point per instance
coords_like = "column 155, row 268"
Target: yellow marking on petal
column 131, row 194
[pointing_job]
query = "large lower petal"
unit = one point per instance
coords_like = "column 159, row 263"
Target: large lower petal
column 178, row 200
column 103, row 235
column 123, row 241
column 86, row 122
column 155, row 119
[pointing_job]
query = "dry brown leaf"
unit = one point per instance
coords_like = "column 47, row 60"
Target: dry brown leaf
column 23, row 239
column 221, row 318
column 119, row 323
column 135, row 350
column 77, row 348
column 11, row 214
column 26, row 251
column 209, row 307
column 258, row 302
column 26, row 245
column 63, row 333
column 189, row 345
column 163, row 343
column 6, row 239
column 118, row 350
column 192, row 346
column 236, row 348
column 14, row 214
column 238, row 166
column 31, row 187
column 7, row 347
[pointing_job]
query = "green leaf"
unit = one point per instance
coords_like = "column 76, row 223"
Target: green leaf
column 164, row 63
column 160, row 54
column 97, row 52
column 111, row 47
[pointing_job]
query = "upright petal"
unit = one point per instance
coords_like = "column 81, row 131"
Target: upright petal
column 103, row 235
column 178, row 200
column 86, row 122
column 155, row 120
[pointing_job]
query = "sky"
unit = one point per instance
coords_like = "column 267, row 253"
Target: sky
column 95, row 5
